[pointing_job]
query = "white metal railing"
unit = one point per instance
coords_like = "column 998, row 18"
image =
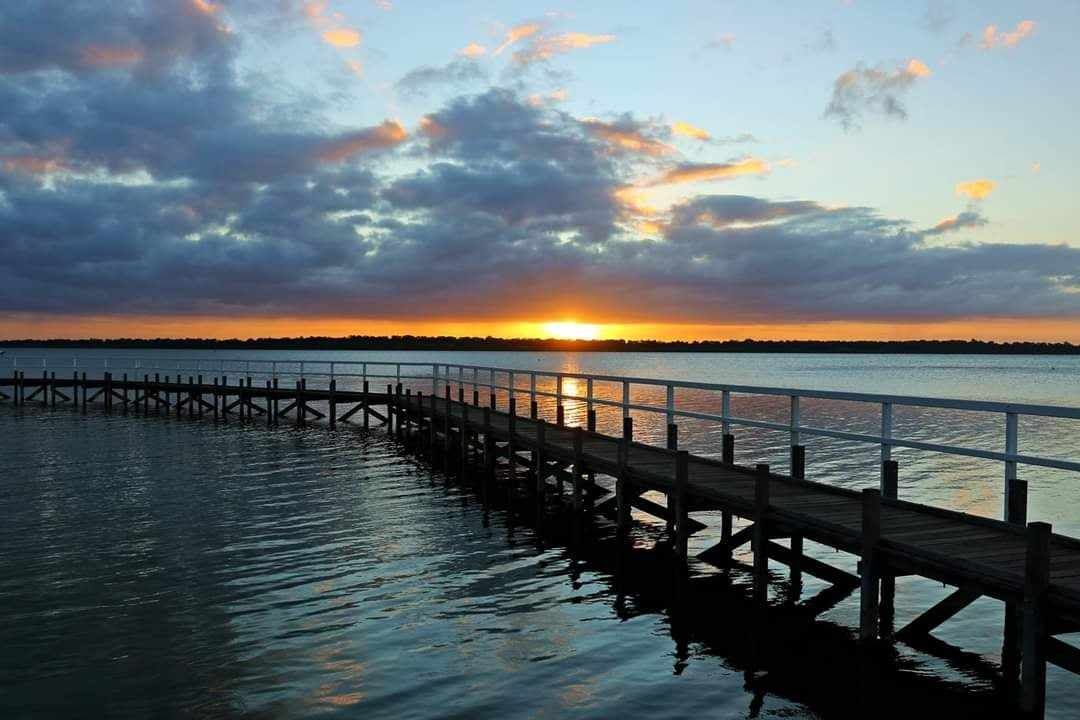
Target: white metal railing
column 492, row 378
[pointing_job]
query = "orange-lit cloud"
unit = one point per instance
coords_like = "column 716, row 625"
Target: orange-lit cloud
column 473, row 50
column 431, row 127
column 33, row 164
column 380, row 137
column 355, row 67
column 691, row 131
column 634, row 201
column 103, row 56
column 702, row 172
column 1036, row 167
column 342, row 37
column 205, row 6
column 992, row 38
column 516, row 34
column 976, row 189
column 544, row 48
column 555, row 96
column 626, row 139
column 917, row 68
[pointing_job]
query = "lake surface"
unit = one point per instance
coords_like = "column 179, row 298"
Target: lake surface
column 158, row 566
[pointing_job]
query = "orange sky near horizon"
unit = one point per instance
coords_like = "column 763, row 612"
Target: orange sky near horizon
column 43, row 327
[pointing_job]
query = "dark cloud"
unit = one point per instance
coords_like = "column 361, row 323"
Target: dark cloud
column 966, row 219
column 458, row 72
column 86, row 36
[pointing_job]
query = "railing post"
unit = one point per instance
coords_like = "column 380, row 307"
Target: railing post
column 886, row 435
column 1011, row 446
column 434, row 378
column 626, row 399
column 798, row 452
column 727, row 451
column 532, row 395
column 670, row 405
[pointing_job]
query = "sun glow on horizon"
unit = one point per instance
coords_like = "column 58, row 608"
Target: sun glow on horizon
column 570, row 330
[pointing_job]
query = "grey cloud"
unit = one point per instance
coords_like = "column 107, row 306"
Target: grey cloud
column 459, row 71
column 866, row 89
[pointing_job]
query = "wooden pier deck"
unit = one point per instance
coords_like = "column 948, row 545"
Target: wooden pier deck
column 1035, row 572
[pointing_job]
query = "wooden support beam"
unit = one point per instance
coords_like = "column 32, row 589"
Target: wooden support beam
column 1063, row 654
column 720, row 553
column 811, row 566
column 939, row 613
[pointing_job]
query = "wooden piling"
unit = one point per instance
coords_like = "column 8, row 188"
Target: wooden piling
column 277, row 404
column 760, row 539
column 493, row 401
column 271, row 416
column 579, row 469
column 52, row 395
column 84, row 392
column 887, row 606
column 680, row 511
column 475, row 396
column 622, row 485
column 870, row 575
column 511, row 452
column 672, row 436
column 539, row 462
column 367, row 404
column 333, row 403
column 489, row 453
column 446, row 428
column 798, row 462
column 628, row 428
column 560, row 415
column 1036, row 583
column 590, row 420
column 533, row 410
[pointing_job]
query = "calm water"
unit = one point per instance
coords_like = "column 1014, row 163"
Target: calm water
column 155, row 566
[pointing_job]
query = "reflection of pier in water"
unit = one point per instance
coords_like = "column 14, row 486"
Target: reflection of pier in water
column 1034, row 572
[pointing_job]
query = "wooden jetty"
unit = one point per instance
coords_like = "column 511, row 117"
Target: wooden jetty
column 1035, row 572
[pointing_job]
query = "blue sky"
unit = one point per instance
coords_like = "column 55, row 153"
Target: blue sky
column 914, row 161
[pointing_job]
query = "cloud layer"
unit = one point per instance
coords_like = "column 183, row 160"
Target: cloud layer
column 141, row 173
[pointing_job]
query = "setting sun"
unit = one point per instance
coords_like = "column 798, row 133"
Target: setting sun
column 571, row 330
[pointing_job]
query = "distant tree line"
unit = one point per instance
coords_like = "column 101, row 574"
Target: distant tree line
column 419, row 342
